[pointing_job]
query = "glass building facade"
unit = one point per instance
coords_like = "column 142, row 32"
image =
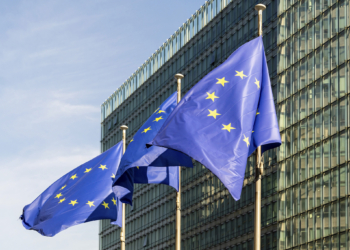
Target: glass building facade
column 305, row 203
column 312, row 104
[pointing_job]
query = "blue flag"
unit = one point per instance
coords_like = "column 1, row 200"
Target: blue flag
column 84, row 194
column 140, row 164
column 226, row 116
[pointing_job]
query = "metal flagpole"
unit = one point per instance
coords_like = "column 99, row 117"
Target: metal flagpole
column 122, row 230
column 178, row 194
column 259, row 165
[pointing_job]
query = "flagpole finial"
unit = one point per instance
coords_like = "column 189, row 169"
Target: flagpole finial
column 179, row 76
column 123, row 127
column 260, row 7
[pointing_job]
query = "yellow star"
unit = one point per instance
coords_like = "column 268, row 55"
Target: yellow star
column 213, row 113
column 103, row 167
column 221, row 81
column 257, row 83
column 146, row 129
column 161, row 111
column 74, row 176
column 158, row 118
column 156, row 110
column 87, row 170
column 246, row 140
column 253, row 131
column 132, row 140
column 90, row 203
column 240, row 74
column 114, row 201
column 105, row 205
column 62, row 200
column 211, row 96
column 58, row 195
column 73, row 203
column 113, row 176
column 63, row 187
column 227, row 127
column 138, row 167
column 257, row 113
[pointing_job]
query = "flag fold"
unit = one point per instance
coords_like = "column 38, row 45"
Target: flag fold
column 226, row 116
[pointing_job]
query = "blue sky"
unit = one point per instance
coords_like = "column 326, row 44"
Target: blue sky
column 59, row 60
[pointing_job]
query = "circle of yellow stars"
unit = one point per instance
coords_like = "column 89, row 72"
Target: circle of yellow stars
column 214, row 113
column 89, row 203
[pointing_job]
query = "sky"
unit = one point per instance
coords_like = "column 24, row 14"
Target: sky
column 59, row 61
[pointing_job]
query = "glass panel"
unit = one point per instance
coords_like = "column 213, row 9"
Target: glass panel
column 310, row 162
column 311, row 226
column 296, row 235
column 288, row 202
column 335, row 184
column 289, row 233
column 334, row 151
column 342, row 114
column 326, row 220
column 311, row 99
column 318, row 35
column 342, row 215
column 326, row 58
column 335, row 219
column 326, row 187
column 342, row 181
column 295, row 199
column 334, row 53
column 318, row 63
column 302, row 73
column 295, row 139
column 318, row 193
column 326, row 122
column 310, row 68
column 295, row 168
column 303, row 228
column 334, row 86
column 311, row 191
column 303, row 165
column 318, row 159
column 342, row 243
column 288, row 172
column 318, row 226
column 326, row 25
column 302, row 43
column 318, row 126
column 311, row 129
column 302, row 134
column 295, row 108
column 303, row 195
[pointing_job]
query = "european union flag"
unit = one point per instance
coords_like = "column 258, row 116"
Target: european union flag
column 84, row 194
column 140, row 164
column 226, row 116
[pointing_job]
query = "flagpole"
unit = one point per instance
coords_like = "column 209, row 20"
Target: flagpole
column 122, row 229
column 178, row 77
column 259, row 165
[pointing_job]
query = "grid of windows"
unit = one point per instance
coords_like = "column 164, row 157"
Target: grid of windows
column 210, row 217
column 312, row 107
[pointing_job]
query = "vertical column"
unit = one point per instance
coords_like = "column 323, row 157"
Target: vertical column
column 122, row 230
column 178, row 194
column 259, row 164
